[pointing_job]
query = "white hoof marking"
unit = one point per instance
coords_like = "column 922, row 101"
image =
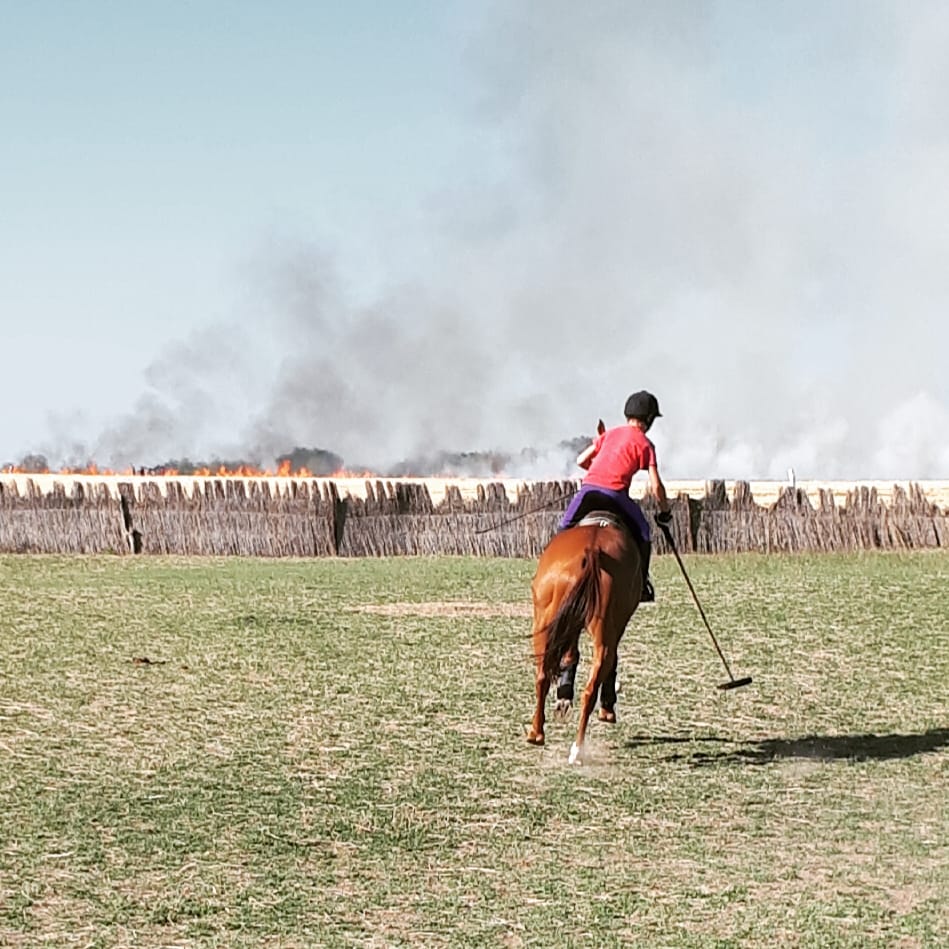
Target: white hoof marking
column 574, row 756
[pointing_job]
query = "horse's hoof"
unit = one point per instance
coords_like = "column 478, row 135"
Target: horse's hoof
column 574, row 756
column 606, row 716
column 562, row 709
column 535, row 738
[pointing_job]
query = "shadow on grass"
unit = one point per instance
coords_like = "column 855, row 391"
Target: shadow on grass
column 815, row 747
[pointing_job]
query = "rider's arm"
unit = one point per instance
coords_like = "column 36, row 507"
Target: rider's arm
column 586, row 456
column 658, row 488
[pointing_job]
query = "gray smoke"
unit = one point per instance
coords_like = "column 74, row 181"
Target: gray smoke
column 742, row 207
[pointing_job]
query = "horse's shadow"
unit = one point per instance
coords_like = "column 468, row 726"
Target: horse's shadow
column 867, row 747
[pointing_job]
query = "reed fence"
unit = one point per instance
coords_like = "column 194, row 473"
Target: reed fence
column 310, row 518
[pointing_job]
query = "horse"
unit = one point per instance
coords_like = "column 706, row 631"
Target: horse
column 588, row 577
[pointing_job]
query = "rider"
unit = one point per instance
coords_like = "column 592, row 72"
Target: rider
column 611, row 461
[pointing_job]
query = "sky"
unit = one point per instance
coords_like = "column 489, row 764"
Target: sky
column 393, row 229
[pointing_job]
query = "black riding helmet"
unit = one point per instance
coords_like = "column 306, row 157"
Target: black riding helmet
column 644, row 406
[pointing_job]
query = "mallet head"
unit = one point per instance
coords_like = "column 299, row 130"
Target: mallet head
column 735, row 683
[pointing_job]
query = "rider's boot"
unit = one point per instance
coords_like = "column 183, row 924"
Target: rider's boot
column 645, row 552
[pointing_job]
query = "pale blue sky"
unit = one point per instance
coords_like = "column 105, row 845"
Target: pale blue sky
column 151, row 149
column 384, row 228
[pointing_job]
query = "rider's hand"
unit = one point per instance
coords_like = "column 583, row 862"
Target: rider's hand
column 664, row 519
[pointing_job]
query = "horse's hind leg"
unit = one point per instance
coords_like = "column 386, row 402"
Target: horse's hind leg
column 541, row 686
column 607, row 711
column 541, row 682
column 602, row 659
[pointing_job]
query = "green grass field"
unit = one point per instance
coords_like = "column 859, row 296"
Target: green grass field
column 332, row 753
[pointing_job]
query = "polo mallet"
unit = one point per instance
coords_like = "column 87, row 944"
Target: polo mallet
column 732, row 682
column 534, row 510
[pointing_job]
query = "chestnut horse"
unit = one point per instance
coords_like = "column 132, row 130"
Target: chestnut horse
column 588, row 577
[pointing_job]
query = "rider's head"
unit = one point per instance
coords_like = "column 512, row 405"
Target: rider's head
column 644, row 407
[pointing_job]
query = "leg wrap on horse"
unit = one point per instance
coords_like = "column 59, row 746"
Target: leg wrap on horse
column 567, row 679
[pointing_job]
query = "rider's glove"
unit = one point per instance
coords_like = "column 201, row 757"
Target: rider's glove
column 664, row 519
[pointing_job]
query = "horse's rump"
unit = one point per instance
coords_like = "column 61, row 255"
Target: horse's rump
column 570, row 569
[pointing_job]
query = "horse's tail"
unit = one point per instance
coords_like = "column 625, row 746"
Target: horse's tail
column 576, row 611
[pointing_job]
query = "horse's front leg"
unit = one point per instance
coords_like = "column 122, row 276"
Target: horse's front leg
column 565, row 686
column 607, row 711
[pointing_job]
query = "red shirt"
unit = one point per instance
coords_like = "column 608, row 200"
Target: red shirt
column 619, row 453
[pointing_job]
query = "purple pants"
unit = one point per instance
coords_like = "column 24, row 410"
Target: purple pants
column 630, row 509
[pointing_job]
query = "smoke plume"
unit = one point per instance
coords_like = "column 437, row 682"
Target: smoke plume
column 741, row 207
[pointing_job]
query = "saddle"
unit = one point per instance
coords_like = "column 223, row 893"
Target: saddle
column 600, row 509
column 602, row 519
